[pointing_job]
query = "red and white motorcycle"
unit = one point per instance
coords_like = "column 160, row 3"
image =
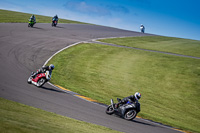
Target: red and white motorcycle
column 40, row 79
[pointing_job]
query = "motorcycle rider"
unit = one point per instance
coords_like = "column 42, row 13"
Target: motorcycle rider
column 55, row 18
column 132, row 98
column 43, row 70
column 142, row 28
column 32, row 18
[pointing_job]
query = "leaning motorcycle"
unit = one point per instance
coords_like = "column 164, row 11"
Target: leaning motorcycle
column 40, row 79
column 54, row 22
column 128, row 111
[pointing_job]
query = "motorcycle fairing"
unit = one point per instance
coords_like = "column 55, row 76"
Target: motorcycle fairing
column 38, row 77
column 122, row 109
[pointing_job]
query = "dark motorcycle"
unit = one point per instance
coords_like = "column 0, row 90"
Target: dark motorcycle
column 128, row 111
column 54, row 22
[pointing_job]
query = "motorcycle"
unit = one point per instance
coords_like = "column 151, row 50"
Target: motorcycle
column 127, row 111
column 54, row 22
column 31, row 23
column 40, row 79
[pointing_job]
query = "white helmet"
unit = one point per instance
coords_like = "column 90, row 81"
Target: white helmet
column 137, row 95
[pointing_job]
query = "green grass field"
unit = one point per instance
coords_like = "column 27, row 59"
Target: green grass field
column 19, row 17
column 160, row 43
column 170, row 85
column 19, row 118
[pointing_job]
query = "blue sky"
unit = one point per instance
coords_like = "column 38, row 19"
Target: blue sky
column 176, row 18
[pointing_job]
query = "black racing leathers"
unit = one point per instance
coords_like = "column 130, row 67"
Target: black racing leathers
column 41, row 70
column 130, row 99
column 126, row 99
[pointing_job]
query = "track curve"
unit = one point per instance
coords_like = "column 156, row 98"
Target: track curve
column 24, row 49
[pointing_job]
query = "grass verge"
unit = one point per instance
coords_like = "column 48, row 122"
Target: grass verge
column 19, row 118
column 170, row 85
column 19, row 17
column 160, row 43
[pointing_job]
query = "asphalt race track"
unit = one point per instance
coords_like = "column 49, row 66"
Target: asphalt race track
column 23, row 50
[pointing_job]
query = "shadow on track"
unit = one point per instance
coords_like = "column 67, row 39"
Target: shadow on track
column 59, row 27
column 143, row 123
column 38, row 28
column 140, row 121
column 50, row 89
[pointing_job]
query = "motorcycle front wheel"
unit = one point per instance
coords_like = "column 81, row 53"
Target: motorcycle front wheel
column 110, row 110
column 130, row 114
column 29, row 80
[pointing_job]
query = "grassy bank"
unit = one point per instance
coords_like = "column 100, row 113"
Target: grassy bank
column 160, row 43
column 19, row 17
column 19, row 118
column 170, row 85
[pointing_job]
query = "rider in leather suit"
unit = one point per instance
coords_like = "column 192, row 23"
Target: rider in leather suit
column 43, row 70
column 56, row 18
column 32, row 18
column 132, row 98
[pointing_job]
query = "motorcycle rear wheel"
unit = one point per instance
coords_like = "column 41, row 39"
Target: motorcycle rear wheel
column 110, row 110
column 41, row 82
column 130, row 114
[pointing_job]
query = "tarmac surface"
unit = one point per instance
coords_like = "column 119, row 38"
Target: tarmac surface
column 23, row 50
